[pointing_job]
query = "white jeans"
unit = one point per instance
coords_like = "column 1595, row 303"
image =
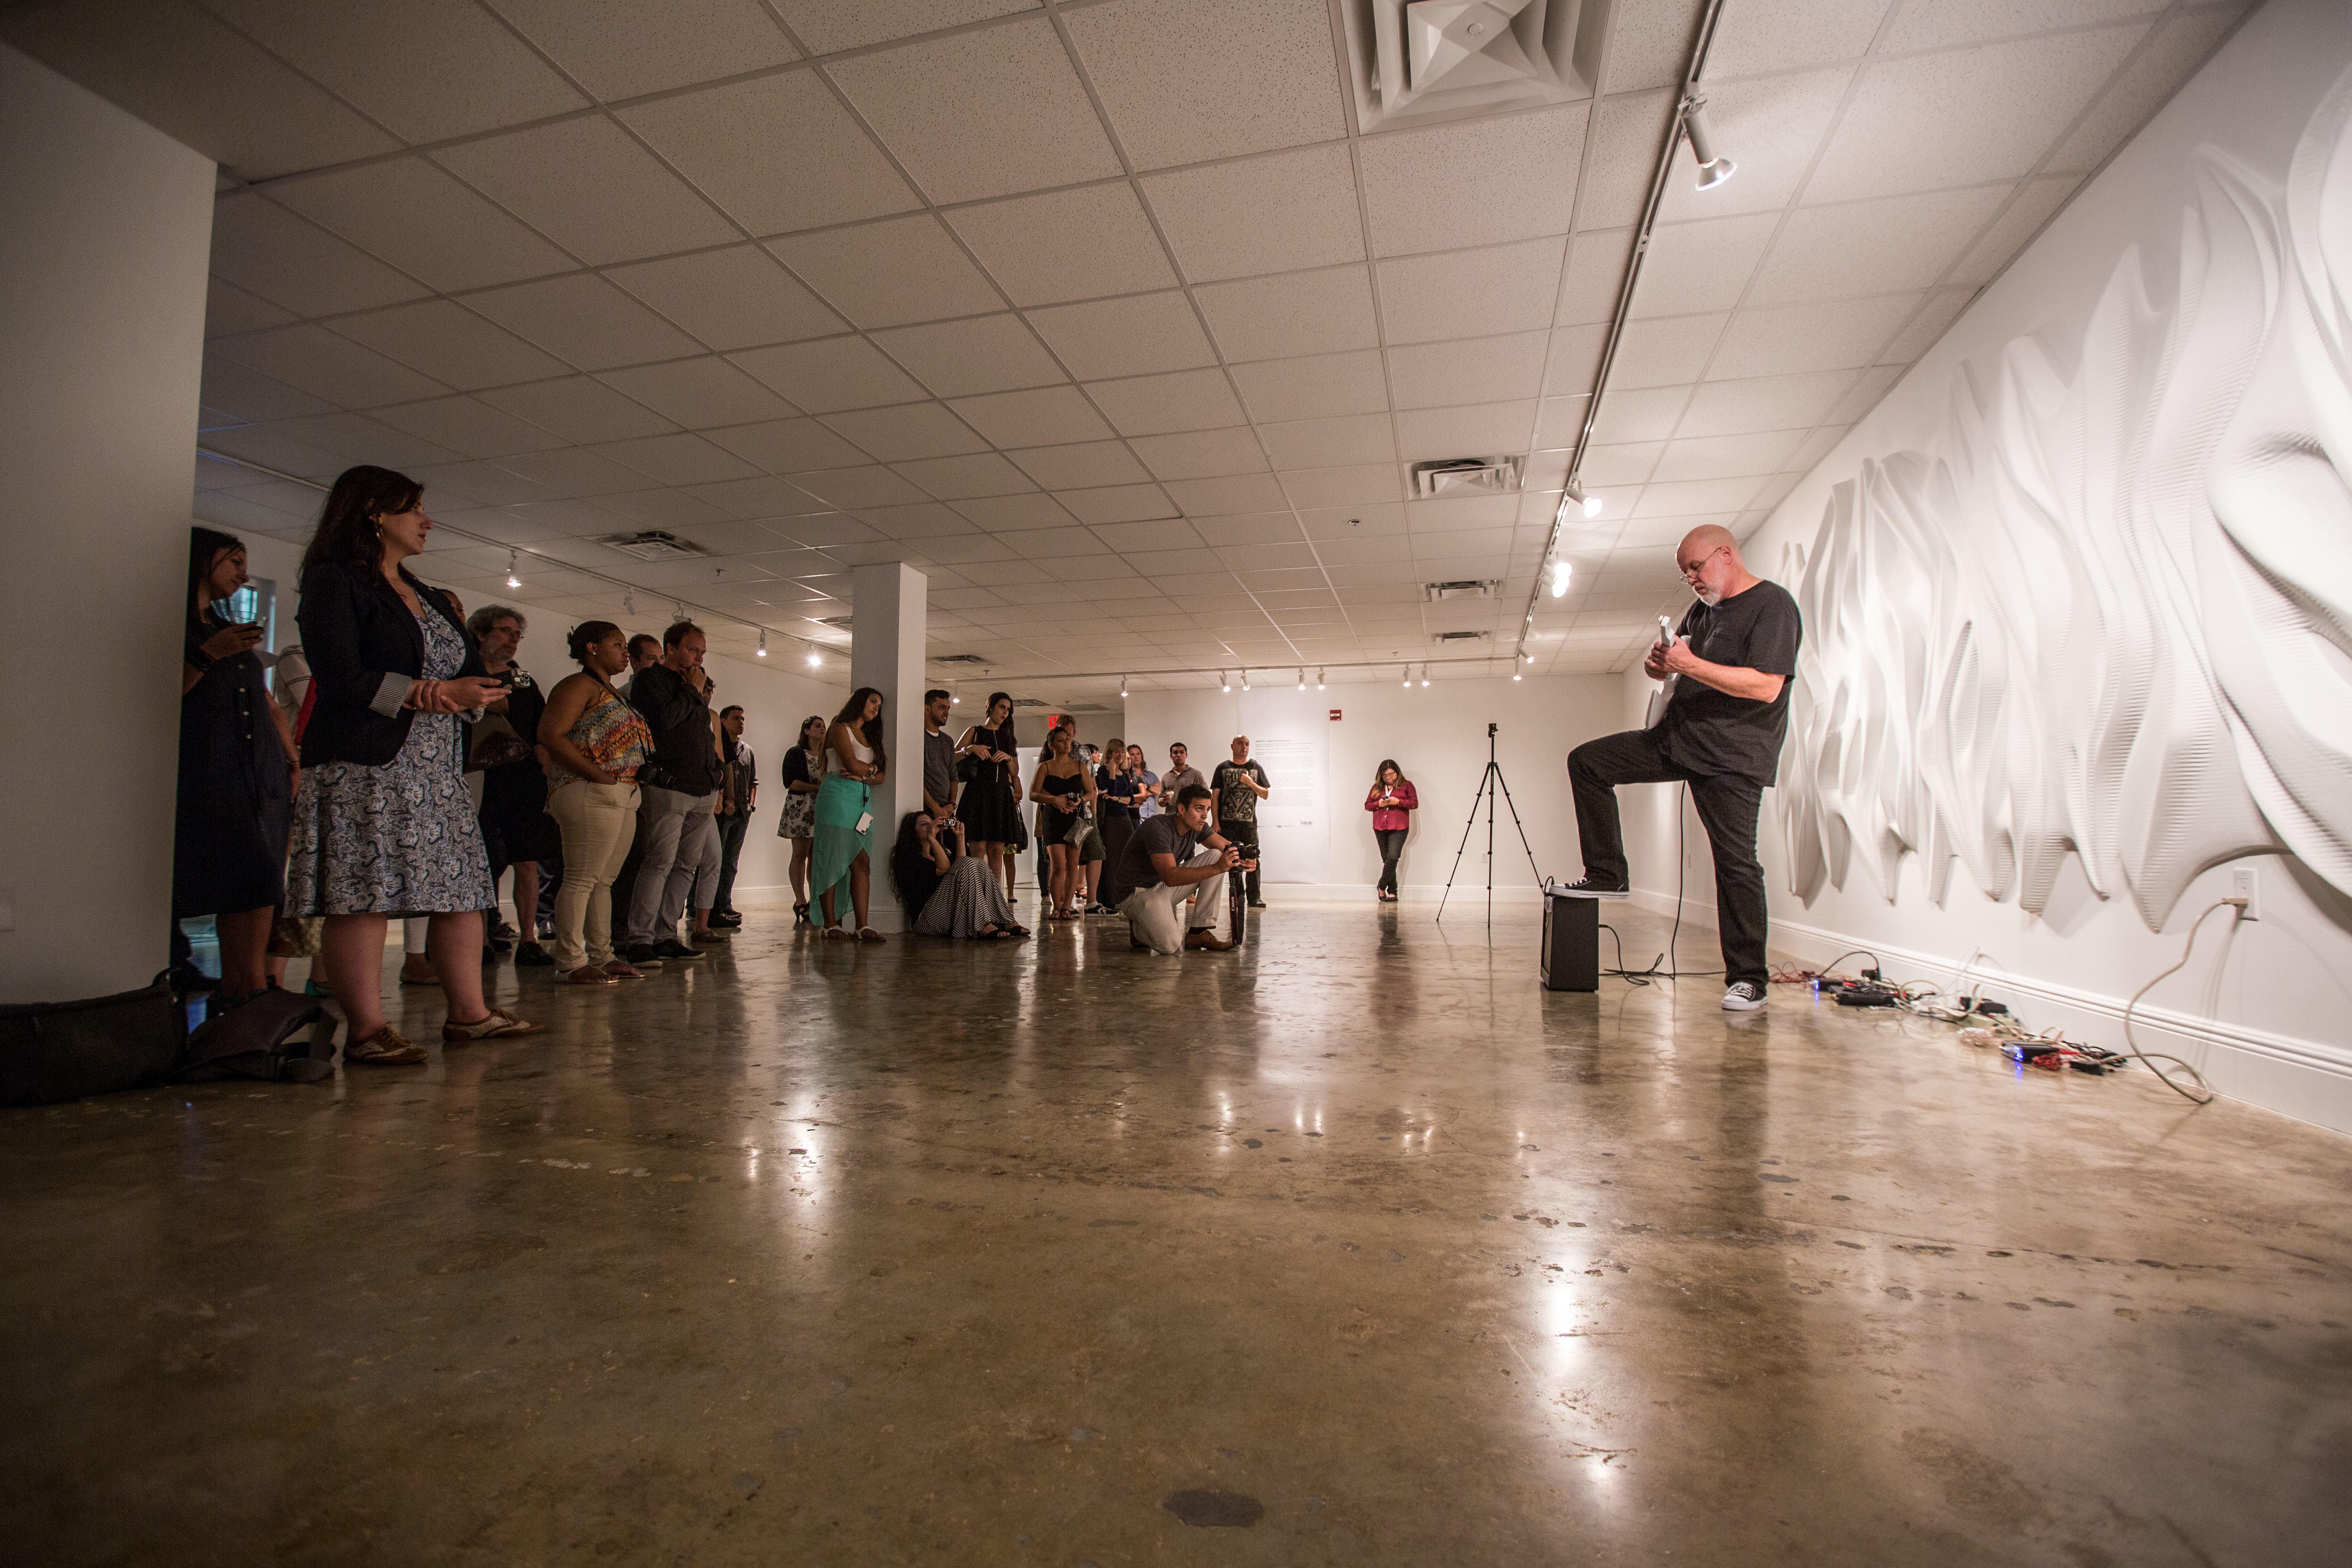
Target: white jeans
column 1151, row 912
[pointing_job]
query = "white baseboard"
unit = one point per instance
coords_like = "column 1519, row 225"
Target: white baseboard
column 2305, row 1079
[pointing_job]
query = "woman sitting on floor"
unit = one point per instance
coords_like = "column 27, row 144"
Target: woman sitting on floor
column 950, row 893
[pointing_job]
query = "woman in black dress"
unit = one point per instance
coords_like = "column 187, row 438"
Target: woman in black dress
column 1062, row 789
column 989, row 809
column 237, row 766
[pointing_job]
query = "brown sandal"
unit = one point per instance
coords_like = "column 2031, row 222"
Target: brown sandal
column 497, row 1024
column 387, row 1047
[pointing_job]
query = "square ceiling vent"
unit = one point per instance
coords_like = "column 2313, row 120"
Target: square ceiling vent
column 652, row 545
column 1414, row 61
column 1465, row 476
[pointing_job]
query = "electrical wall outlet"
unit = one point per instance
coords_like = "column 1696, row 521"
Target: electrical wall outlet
column 2245, row 884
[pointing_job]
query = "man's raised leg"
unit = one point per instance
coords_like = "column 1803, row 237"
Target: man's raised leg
column 1595, row 769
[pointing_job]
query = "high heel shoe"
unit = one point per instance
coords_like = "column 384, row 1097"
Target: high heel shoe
column 800, row 915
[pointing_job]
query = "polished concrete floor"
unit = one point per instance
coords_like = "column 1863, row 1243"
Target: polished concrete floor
column 1355, row 1247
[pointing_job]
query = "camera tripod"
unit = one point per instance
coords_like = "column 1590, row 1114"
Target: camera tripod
column 1490, row 783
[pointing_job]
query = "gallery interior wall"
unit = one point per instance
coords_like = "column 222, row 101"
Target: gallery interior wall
column 105, row 226
column 2077, row 596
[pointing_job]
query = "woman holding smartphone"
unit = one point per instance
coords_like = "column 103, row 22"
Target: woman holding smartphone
column 595, row 743
column 1064, row 788
column 855, row 761
column 382, row 824
column 803, row 778
column 1391, row 803
column 990, row 811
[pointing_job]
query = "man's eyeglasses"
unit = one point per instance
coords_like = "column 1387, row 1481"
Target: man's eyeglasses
column 1692, row 568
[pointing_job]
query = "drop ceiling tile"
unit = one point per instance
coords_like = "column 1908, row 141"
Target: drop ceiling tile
column 730, row 298
column 1292, row 314
column 1039, row 544
column 425, row 70
column 831, row 532
column 979, row 353
column 1943, row 306
column 923, row 520
column 698, row 394
column 831, row 375
column 1645, row 414
column 621, row 49
column 1135, row 336
column 1159, row 404
column 589, row 187
column 891, row 273
column 763, row 495
column 270, row 446
column 860, row 488
column 1696, row 497
column 469, row 428
column 575, row 471
column 1940, row 24
column 1965, row 117
column 1882, row 246
column 1815, row 447
column 789, row 446
column 229, row 310
column 777, row 154
column 1558, row 420
column 1789, row 338
column 1428, row 434
column 1331, row 443
column 1468, row 370
column 1863, row 394
column 980, row 114
column 1725, row 457
column 1184, row 82
column 577, row 409
column 1043, row 417
column 584, row 320
column 450, row 345
column 1085, row 465
column 968, row 477
column 1216, row 217
column 908, row 431
column 1705, row 266
column 1066, row 245
column 2028, row 210
column 1202, row 453
column 2178, row 48
column 244, row 394
column 1626, row 134
column 291, row 262
column 1228, row 496
column 1471, row 293
column 1474, row 182
column 1324, row 386
column 828, row 25
column 1776, row 124
column 1012, row 513
column 679, row 459
column 1628, row 463
column 362, row 439
column 1115, row 503
column 1251, row 528
column 1350, row 485
column 1762, row 403
column 256, row 116
column 1751, row 41
column 1575, row 361
column 1154, row 546
column 1665, row 350
column 314, row 360
column 485, row 483
column 1596, row 271
column 660, row 507
column 415, row 217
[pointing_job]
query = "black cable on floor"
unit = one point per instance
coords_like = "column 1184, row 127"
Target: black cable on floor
column 1643, row 976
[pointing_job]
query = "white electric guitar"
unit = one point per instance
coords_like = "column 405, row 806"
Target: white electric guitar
column 1664, row 694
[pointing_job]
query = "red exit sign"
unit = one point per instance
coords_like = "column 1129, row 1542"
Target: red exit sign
column 1335, row 715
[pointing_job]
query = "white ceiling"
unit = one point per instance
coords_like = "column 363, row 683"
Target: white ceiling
column 1103, row 315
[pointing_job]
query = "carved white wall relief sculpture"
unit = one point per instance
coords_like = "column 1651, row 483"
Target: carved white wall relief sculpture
column 2110, row 611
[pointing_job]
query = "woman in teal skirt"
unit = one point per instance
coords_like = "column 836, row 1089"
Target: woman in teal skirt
column 853, row 763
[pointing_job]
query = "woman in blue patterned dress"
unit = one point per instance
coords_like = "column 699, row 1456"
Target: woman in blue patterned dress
column 382, row 826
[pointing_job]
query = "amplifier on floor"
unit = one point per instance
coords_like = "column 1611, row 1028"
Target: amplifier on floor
column 1571, row 943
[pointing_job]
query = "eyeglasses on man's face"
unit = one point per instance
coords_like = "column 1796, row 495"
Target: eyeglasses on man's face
column 1691, row 569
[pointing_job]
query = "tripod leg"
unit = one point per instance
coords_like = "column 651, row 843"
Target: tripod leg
column 1521, row 827
column 1458, row 848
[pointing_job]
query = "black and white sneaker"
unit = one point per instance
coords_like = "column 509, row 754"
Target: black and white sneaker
column 1586, row 888
column 1745, row 996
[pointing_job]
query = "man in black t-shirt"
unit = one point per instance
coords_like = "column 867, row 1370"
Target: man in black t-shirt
column 1729, row 665
column 1235, row 789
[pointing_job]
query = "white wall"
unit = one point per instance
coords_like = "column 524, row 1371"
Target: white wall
column 1437, row 735
column 105, row 231
column 2066, row 494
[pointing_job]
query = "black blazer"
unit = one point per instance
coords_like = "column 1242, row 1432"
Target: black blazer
column 364, row 647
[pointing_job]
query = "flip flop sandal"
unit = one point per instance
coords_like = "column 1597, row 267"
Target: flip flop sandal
column 621, row 970
column 837, row 933
column 497, row 1025
column 867, row 934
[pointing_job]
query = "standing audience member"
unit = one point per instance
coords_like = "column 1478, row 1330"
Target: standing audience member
column 804, row 778
column 383, row 824
column 855, row 761
column 238, row 771
column 675, row 792
column 517, row 832
column 594, row 743
column 990, row 808
column 1236, row 789
column 947, row 892
column 1063, row 788
column 1173, row 858
column 1392, row 802
column 1148, row 807
column 939, row 785
column 1181, row 776
column 1121, row 792
column 644, row 652
column 739, row 797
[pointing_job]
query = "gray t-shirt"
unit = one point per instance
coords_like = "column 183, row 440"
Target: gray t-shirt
column 1161, row 835
column 1177, row 779
column 938, row 765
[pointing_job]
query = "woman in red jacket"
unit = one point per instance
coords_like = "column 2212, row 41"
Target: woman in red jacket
column 1390, row 802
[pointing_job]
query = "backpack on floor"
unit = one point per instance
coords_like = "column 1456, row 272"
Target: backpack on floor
column 261, row 1039
column 52, row 1051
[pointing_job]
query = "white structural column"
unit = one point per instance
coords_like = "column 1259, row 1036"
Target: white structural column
column 105, row 233
column 887, row 635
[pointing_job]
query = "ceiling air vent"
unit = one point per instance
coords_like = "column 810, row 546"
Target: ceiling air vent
column 1473, row 589
column 839, row 622
column 1459, row 636
column 652, row 545
column 1465, row 476
column 1029, row 702
column 1413, row 61
column 958, row 659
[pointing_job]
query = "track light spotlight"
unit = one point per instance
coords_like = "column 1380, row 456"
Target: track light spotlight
column 1587, row 505
column 1712, row 168
column 762, row 649
column 1225, row 681
column 815, row 658
column 1245, row 686
column 1319, row 682
column 1407, row 682
column 1424, row 674
column 629, row 606
column 512, row 581
column 1561, row 569
column 1122, row 686
column 1302, row 680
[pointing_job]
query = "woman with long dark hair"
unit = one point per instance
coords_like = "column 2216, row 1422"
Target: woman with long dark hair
column 238, row 768
column 1064, row 788
column 947, row 892
column 990, row 809
column 383, row 824
column 1391, row 803
column 855, row 761
column 595, row 743
column 804, row 778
